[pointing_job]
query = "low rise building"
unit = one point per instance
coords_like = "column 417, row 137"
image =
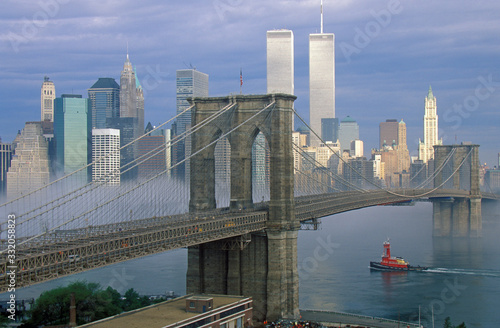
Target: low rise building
column 190, row 311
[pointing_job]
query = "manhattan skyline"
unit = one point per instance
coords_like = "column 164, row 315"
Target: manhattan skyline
column 387, row 55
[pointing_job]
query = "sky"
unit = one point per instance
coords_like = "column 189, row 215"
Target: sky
column 387, row 52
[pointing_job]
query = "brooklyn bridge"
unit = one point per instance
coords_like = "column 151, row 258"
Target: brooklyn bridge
column 245, row 246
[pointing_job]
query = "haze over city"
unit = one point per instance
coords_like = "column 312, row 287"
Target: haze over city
column 387, row 55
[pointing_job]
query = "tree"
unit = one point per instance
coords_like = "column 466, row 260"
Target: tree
column 447, row 323
column 133, row 301
column 3, row 321
column 92, row 303
column 462, row 325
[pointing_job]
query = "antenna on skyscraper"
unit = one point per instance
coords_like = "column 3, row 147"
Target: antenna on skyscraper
column 321, row 16
column 127, row 49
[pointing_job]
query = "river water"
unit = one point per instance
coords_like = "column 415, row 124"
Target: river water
column 463, row 282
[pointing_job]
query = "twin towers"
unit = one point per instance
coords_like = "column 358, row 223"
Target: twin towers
column 280, row 72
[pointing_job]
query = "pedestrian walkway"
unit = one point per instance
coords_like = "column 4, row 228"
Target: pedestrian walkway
column 340, row 319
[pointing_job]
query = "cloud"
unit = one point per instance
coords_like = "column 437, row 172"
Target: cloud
column 448, row 44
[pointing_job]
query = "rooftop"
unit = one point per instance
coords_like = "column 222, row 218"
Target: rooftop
column 161, row 314
column 348, row 119
column 105, row 83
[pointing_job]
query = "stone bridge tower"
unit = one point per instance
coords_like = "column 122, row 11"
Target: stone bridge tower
column 460, row 216
column 266, row 269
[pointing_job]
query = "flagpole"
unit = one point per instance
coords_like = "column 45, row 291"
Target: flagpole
column 241, row 81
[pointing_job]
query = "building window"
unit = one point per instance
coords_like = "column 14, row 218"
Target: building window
column 191, row 304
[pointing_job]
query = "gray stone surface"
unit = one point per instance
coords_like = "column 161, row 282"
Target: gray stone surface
column 266, row 269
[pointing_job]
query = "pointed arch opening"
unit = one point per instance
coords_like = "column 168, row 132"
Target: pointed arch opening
column 222, row 154
column 260, row 169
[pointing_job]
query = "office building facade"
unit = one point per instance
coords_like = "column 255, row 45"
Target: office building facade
column 5, row 158
column 72, row 134
column 29, row 168
column 348, row 131
column 330, row 129
column 48, row 94
column 388, row 132
column 104, row 100
column 106, row 156
column 426, row 147
column 129, row 151
column 189, row 83
column 402, row 148
column 167, row 137
column 357, row 148
column 321, row 81
column 152, row 156
column 128, row 91
column 280, row 62
column 139, row 92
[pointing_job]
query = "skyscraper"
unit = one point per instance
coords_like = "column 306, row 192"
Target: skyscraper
column 388, row 132
column 330, row 129
column 348, row 131
column 152, row 153
column 29, row 167
column 104, row 99
column 140, row 104
column 48, row 94
column 321, row 79
column 128, row 91
column 72, row 134
column 5, row 158
column 189, row 83
column 280, row 62
column 128, row 154
column 426, row 148
column 167, row 136
column 357, row 148
column 402, row 148
column 106, row 156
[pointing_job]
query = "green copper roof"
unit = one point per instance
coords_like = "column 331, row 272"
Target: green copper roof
column 105, row 83
column 430, row 95
column 348, row 119
column 137, row 83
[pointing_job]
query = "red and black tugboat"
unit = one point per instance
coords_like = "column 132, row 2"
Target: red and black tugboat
column 389, row 263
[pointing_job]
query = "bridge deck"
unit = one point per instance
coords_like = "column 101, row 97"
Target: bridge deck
column 66, row 252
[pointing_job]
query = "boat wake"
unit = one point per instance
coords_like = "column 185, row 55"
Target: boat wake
column 472, row 272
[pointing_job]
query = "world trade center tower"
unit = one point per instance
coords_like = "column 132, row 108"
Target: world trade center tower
column 280, row 62
column 321, row 79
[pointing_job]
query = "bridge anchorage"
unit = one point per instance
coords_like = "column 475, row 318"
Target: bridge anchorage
column 266, row 268
column 457, row 216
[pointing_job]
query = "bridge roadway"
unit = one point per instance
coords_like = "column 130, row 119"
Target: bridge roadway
column 67, row 252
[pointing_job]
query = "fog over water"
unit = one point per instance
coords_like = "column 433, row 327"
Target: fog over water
column 463, row 282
